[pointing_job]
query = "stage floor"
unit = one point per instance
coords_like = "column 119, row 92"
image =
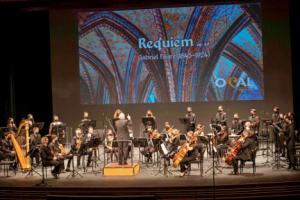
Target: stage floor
column 149, row 176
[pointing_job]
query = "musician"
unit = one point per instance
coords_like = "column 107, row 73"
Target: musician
column 87, row 146
column 6, row 150
column 35, row 142
column 108, row 143
column 255, row 121
column 190, row 120
column 58, row 150
column 11, row 126
column 236, row 125
column 149, row 149
column 30, row 119
column 150, row 124
column 56, row 129
column 194, row 149
column 173, row 136
column 248, row 146
column 221, row 118
column 289, row 130
column 277, row 125
column 84, row 124
column 222, row 140
column 122, row 128
column 49, row 159
column 76, row 148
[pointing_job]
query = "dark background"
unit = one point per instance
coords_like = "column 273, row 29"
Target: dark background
column 25, row 58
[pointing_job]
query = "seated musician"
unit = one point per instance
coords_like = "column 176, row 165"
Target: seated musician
column 248, row 146
column 35, row 142
column 108, row 142
column 11, row 126
column 76, row 148
column 149, row 149
column 54, row 129
column 194, row 149
column 87, row 145
column 222, row 141
column 57, row 150
column 6, row 150
column 49, row 159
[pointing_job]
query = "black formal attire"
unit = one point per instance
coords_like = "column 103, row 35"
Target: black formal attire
column 47, row 160
column 122, row 128
column 74, row 150
column 34, row 152
column 289, row 131
column 237, row 126
column 6, row 152
column 190, row 121
column 277, row 128
column 221, row 118
column 191, row 156
column 255, row 122
column 248, row 147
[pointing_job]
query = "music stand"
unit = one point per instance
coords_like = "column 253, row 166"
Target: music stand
column 165, row 155
column 214, row 166
column 140, row 142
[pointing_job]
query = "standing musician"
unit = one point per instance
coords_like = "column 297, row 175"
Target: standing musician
column 277, row 126
column 247, row 145
column 76, row 148
column 190, row 119
column 254, row 120
column 49, row 159
column 84, row 124
column 35, row 143
column 108, row 143
column 236, row 125
column 221, row 118
column 11, row 126
column 54, row 129
column 150, row 123
column 193, row 150
column 289, row 130
column 122, row 128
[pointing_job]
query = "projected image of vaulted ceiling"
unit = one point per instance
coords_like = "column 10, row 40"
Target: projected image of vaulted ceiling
column 183, row 54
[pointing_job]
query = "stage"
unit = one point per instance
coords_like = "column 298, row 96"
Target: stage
column 152, row 181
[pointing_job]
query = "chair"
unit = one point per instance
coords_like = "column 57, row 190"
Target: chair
column 297, row 155
column 253, row 160
column 199, row 161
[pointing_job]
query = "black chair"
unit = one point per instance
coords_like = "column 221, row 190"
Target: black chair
column 253, row 160
column 199, row 161
column 297, row 155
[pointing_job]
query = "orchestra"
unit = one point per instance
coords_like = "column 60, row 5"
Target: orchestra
column 234, row 143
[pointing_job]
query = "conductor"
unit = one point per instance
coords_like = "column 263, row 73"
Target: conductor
column 122, row 129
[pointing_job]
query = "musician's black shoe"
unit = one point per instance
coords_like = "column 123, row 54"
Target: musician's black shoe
column 54, row 175
column 68, row 170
